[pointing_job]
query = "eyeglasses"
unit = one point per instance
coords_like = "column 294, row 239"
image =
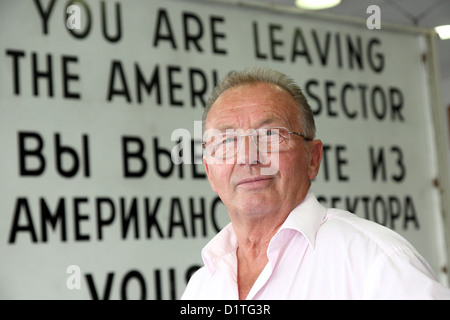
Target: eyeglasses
column 227, row 144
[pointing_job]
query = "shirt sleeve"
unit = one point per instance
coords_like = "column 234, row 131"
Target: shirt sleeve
column 403, row 275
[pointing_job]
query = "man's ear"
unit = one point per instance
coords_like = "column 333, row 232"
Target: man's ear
column 208, row 173
column 315, row 158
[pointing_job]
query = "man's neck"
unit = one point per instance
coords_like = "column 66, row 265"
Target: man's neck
column 253, row 240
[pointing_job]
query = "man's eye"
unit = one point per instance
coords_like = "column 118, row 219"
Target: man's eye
column 228, row 140
column 271, row 132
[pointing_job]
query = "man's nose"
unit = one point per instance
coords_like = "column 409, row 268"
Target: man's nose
column 248, row 153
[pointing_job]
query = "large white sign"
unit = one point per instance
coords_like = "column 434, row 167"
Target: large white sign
column 91, row 92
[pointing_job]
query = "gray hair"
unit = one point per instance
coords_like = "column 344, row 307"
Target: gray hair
column 265, row 75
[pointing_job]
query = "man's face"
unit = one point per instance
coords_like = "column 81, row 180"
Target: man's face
column 242, row 184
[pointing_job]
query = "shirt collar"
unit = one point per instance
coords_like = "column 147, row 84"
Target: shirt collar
column 306, row 219
column 223, row 244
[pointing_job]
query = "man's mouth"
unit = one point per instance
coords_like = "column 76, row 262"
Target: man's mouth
column 253, row 182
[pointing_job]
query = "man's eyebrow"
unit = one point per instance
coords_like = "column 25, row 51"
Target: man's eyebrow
column 224, row 127
column 260, row 124
column 267, row 121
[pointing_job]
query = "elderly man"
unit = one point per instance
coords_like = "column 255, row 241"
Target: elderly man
column 260, row 157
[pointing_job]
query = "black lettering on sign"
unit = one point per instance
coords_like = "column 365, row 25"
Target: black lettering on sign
column 275, row 43
column 192, row 81
column 137, row 155
column 131, row 218
column 44, row 13
column 160, row 154
column 101, row 203
column 113, row 90
column 135, row 164
column 163, row 30
column 216, row 35
column 303, row 51
column 314, row 47
column 336, row 152
column 58, row 217
column 198, row 93
column 153, row 83
column 45, row 73
column 174, row 85
column 151, row 220
column 330, row 98
column 376, row 59
column 133, row 275
column 25, row 152
column 84, row 16
column 46, row 218
column 322, row 50
column 193, row 32
column 78, row 218
column 44, row 221
column 16, row 54
column 354, row 100
column 379, row 167
column 42, row 72
column 199, row 215
column 164, row 282
column 176, row 219
column 118, row 23
column 345, row 107
column 392, row 211
column 66, row 76
column 106, row 291
column 190, row 272
column 77, row 160
column 309, row 87
column 22, row 209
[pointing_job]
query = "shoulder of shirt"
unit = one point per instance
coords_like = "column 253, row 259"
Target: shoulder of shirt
column 195, row 283
column 348, row 226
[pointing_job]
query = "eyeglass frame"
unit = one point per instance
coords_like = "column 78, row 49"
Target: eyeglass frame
column 251, row 135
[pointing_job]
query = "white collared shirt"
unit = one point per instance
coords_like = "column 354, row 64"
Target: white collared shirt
column 321, row 253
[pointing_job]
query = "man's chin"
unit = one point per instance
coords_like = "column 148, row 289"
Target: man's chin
column 254, row 203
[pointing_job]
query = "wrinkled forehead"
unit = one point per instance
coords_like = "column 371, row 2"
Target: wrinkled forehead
column 254, row 106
